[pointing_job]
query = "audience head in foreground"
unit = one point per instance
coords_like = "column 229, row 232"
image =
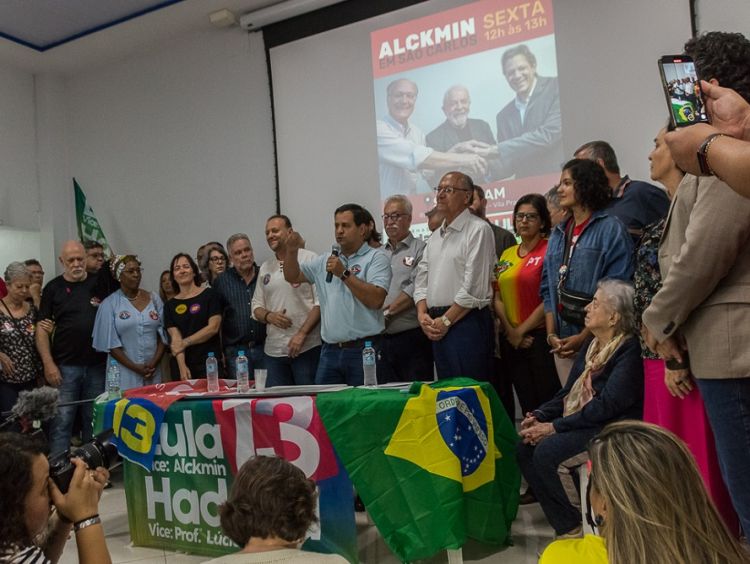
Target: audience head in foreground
column 649, row 502
column 270, row 508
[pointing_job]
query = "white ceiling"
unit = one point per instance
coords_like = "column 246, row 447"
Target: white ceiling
column 45, row 22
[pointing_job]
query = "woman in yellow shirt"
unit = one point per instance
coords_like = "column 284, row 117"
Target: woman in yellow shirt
column 649, row 504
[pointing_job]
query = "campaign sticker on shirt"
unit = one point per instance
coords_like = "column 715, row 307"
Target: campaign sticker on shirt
column 180, row 309
column 195, row 308
column 356, row 269
column 502, row 266
column 154, row 315
column 408, row 261
column 30, row 328
column 124, row 315
column 95, row 301
column 296, row 285
column 266, row 279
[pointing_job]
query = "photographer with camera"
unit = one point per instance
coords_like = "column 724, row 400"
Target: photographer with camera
column 37, row 517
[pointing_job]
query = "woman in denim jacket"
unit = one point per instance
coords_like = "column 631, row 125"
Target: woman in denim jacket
column 598, row 245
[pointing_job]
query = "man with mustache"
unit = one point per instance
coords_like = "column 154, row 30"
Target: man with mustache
column 70, row 362
column 459, row 133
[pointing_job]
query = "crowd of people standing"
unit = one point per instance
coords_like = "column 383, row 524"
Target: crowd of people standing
column 607, row 303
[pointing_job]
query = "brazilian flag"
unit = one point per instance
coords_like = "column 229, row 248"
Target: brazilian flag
column 434, row 466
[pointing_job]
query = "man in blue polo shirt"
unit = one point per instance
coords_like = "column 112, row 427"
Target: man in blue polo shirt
column 351, row 302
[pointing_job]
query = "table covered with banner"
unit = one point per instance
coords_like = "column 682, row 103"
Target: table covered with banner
column 434, row 464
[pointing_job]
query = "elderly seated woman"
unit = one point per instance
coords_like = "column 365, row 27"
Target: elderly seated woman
column 268, row 513
column 604, row 385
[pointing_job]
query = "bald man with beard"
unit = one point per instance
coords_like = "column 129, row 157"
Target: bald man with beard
column 70, row 362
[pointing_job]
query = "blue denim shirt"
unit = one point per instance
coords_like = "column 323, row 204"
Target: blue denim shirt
column 603, row 250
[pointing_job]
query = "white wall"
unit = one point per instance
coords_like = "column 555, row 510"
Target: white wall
column 175, row 148
column 723, row 15
column 19, row 196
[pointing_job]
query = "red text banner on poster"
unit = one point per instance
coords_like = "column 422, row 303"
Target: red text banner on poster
column 501, row 196
column 476, row 27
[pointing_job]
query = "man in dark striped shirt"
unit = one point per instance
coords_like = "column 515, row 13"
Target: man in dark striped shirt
column 236, row 285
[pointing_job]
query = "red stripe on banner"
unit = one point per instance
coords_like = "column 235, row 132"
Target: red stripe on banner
column 469, row 29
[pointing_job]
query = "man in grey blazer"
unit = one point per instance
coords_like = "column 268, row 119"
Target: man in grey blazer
column 529, row 129
column 704, row 258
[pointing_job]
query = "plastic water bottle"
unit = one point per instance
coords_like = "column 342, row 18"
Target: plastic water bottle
column 243, row 373
column 212, row 373
column 113, row 380
column 368, row 364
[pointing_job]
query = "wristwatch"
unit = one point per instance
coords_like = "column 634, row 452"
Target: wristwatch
column 346, row 274
column 447, row 322
column 703, row 154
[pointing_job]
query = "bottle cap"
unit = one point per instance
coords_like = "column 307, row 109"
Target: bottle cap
column 113, row 362
column 368, row 343
column 210, row 355
column 240, row 353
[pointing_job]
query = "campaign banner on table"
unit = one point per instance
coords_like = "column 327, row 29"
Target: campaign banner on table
column 473, row 89
column 136, row 418
column 203, row 443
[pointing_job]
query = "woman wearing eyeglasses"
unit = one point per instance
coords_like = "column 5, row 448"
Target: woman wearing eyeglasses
column 524, row 349
column 649, row 503
column 605, row 385
column 129, row 326
column 214, row 261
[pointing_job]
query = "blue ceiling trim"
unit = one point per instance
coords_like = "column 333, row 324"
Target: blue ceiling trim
column 48, row 46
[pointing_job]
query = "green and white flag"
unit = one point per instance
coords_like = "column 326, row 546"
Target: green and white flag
column 88, row 226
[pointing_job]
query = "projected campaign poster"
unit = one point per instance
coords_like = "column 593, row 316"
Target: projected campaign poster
column 473, row 89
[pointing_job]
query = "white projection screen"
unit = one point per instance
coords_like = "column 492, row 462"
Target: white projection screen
column 454, row 105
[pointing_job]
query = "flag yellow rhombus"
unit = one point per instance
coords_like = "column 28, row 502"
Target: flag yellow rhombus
column 448, row 432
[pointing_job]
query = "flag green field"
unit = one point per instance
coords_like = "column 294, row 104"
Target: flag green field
column 433, row 466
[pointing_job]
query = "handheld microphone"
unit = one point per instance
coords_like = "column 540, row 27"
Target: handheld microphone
column 335, row 251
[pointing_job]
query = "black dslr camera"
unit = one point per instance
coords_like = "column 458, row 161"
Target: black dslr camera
column 98, row 452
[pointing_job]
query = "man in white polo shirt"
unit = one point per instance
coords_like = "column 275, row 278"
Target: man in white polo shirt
column 351, row 300
column 452, row 287
column 291, row 312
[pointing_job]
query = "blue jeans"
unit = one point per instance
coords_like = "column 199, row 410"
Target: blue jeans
column 288, row 371
column 256, row 358
column 342, row 365
column 727, row 404
column 405, row 357
column 467, row 348
column 547, row 468
column 78, row 383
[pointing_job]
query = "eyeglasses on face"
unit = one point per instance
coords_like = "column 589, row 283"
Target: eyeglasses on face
column 217, row 259
column 531, row 216
column 393, row 216
column 449, row 189
column 132, row 271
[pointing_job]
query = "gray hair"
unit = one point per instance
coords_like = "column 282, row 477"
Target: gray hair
column 619, row 296
column 16, row 270
column 553, row 196
column 236, row 237
column 399, row 199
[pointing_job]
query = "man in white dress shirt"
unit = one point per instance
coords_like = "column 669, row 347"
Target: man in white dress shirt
column 452, row 287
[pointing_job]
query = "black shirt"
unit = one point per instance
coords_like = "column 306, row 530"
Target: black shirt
column 190, row 316
column 72, row 306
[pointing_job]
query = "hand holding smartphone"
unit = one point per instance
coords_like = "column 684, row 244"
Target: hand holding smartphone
column 682, row 90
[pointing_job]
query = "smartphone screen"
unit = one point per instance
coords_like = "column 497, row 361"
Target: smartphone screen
column 683, row 90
